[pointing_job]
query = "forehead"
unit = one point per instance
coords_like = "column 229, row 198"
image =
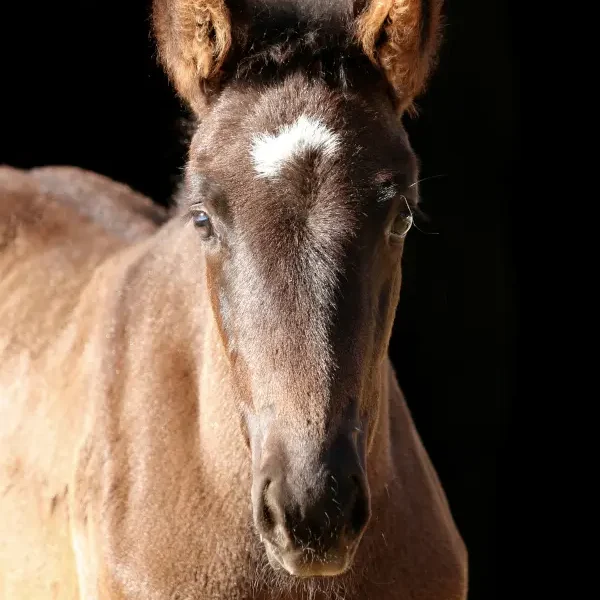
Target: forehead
column 302, row 137
column 299, row 174
column 306, row 139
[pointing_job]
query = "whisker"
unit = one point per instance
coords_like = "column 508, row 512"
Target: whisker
column 414, row 221
column 427, row 179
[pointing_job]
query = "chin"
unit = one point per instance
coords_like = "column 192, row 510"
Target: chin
column 303, row 565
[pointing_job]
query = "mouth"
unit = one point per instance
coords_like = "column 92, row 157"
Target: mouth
column 307, row 563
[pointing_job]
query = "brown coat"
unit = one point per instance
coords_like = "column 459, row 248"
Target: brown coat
column 202, row 406
column 115, row 481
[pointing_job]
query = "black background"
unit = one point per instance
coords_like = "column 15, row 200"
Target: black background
column 81, row 86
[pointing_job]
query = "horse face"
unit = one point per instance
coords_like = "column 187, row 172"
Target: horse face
column 302, row 217
column 300, row 190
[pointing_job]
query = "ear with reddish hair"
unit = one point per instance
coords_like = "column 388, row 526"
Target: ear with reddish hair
column 401, row 37
column 194, row 38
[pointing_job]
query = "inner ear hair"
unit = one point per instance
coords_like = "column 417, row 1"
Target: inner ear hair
column 194, row 39
column 402, row 39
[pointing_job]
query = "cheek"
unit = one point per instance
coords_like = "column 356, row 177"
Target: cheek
column 240, row 348
column 223, row 315
column 218, row 301
column 223, row 312
column 388, row 294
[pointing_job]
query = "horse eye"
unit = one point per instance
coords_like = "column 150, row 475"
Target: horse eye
column 202, row 223
column 400, row 226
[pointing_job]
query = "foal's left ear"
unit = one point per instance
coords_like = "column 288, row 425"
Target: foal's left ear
column 401, row 37
column 194, row 38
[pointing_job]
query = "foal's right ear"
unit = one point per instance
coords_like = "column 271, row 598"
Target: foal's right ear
column 194, row 38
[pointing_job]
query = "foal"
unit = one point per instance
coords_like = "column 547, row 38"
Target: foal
column 206, row 409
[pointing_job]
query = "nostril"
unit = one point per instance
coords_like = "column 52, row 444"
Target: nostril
column 359, row 514
column 267, row 517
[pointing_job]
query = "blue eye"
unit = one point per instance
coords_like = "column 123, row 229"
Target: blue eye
column 202, row 223
column 201, row 219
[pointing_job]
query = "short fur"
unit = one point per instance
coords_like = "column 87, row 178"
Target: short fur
column 200, row 413
column 402, row 37
column 194, row 38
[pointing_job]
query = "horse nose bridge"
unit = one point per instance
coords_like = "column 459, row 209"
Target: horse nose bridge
column 319, row 414
column 307, row 447
column 310, row 430
column 312, row 467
